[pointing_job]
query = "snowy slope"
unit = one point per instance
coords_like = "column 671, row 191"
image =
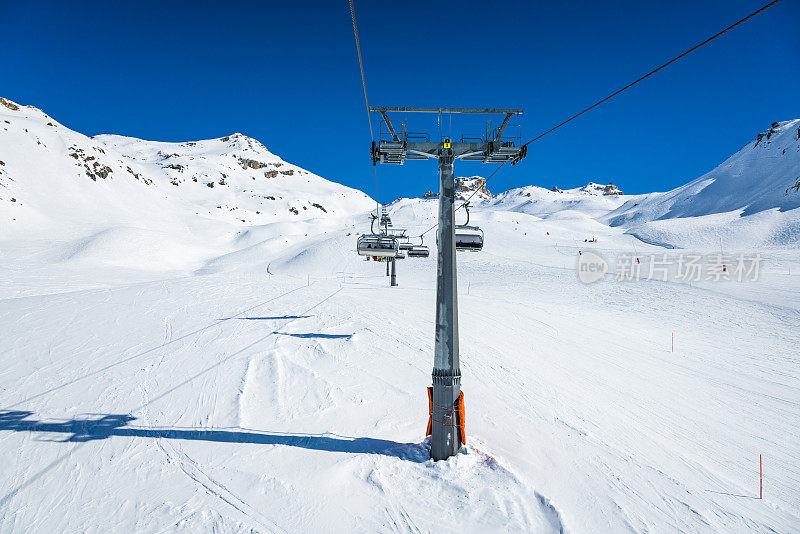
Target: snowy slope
column 588, row 200
column 239, row 401
column 148, row 205
column 750, row 200
column 275, row 383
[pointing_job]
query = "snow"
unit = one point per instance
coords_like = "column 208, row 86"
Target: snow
column 154, row 209
column 166, row 367
column 750, row 200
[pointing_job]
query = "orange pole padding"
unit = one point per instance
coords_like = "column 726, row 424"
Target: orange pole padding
column 462, row 418
column 430, row 410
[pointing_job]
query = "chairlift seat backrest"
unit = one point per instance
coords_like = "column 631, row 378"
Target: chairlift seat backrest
column 469, row 238
column 418, row 251
column 377, row 246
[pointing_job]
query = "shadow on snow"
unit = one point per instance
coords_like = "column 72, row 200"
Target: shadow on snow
column 274, row 318
column 314, row 335
column 104, row 426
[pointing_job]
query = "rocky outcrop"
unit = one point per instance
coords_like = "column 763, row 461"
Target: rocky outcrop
column 252, row 164
column 597, row 189
column 472, row 184
column 93, row 168
column 612, row 189
column 10, row 105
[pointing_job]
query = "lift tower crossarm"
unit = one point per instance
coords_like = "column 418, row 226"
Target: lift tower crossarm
column 405, row 146
column 484, row 111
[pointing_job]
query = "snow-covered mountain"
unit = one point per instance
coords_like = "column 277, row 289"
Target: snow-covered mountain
column 589, row 201
column 274, row 382
column 125, row 200
column 751, row 199
column 150, row 204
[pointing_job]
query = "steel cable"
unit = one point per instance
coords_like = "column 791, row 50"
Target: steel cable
column 366, row 100
column 612, row 95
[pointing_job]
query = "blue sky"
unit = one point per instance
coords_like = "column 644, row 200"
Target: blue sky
column 286, row 73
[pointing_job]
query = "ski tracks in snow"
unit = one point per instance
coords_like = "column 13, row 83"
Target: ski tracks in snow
column 189, row 467
column 175, row 453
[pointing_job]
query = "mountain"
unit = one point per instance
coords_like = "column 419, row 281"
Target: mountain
column 187, row 358
column 589, row 201
column 157, row 205
column 751, row 199
column 150, row 204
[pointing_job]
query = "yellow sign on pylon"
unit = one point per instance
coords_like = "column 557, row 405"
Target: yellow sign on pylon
column 447, row 143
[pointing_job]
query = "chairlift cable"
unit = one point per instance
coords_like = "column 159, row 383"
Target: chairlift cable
column 366, row 100
column 468, row 199
column 361, row 67
column 609, row 97
column 668, row 63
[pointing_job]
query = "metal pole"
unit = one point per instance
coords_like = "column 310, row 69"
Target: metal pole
column 445, row 439
column 386, row 231
column 394, row 274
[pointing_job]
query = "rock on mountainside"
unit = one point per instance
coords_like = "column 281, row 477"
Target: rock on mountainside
column 597, row 189
column 467, row 187
column 472, row 187
column 750, row 199
column 126, row 196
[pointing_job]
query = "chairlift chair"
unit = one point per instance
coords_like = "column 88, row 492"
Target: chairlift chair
column 469, row 238
column 418, row 251
column 377, row 246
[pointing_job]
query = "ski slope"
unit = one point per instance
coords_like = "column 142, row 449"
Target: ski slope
column 238, row 400
column 267, row 379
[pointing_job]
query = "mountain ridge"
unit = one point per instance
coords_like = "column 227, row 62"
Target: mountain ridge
column 59, row 184
column 753, row 193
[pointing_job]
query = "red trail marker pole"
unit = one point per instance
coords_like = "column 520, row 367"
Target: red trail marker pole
column 760, row 479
